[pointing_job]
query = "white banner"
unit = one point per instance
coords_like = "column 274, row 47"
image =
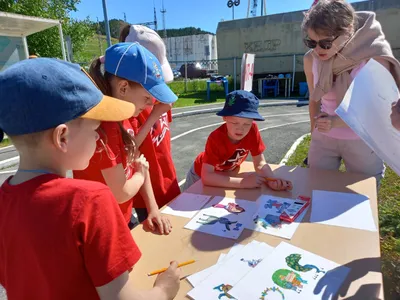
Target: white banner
column 247, row 72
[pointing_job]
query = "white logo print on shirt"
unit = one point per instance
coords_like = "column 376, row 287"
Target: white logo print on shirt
column 163, row 121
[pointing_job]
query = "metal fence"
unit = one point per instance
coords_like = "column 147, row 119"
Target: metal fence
column 265, row 65
column 231, row 68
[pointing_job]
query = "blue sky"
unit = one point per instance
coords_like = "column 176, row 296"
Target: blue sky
column 181, row 13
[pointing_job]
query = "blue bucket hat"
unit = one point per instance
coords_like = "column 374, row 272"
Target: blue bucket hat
column 42, row 93
column 241, row 104
column 135, row 63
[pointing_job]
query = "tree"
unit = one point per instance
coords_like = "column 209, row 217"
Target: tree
column 115, row 27
column 47, row 43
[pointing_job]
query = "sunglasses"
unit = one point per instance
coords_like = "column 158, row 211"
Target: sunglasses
column 325, row 44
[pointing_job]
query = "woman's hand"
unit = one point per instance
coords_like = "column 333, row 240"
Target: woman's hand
column 395, row 115
column 325, row 122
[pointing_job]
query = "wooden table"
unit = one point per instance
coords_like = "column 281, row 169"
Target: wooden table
column 357, row 249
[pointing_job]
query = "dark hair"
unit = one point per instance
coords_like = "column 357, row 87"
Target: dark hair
column 102, row 80
column 330, row 18
column 124, row 33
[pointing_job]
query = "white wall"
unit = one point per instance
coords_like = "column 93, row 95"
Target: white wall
column 193, row 48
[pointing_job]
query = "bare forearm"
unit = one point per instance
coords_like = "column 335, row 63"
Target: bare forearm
column 314, row 110
column 147, row 194
column 145, row 129
column 131, row 188
column 219, row 180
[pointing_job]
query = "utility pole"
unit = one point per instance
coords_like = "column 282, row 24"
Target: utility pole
column 163, row 11
column 155, row 19
column 98, row 37
column 125, row 17
column 106, row 24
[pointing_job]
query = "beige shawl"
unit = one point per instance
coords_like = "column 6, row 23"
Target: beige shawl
column 367, row 42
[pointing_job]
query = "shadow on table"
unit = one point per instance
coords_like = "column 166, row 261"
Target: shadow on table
column 305, row 181
column 327, row 286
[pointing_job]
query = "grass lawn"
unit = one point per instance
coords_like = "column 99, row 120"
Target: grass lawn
column 92, row 49
column 196, row 98
column 5, row 143
column 389, row 222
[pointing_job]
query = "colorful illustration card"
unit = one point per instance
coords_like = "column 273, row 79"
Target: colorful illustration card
column 289, row 273
column 218, row 284
column 187, row 205
column 267, row 218
column 223, row 217
column 197, row 278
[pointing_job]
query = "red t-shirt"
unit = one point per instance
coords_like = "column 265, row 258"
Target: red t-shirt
column 224, row 155
column 157, row 149
column 60, row 238
column 108, row 155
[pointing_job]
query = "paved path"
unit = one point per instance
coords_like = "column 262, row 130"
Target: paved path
column 283, row 125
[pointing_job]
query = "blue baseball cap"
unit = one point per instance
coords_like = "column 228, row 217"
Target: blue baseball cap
column 42, row 93
column 134, row 62
column 241, row 104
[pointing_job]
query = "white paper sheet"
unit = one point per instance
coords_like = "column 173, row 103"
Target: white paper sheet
column 223, row 217
column 197, row 278
column 217, row 285
column 266, row 219
column 187, row 205
column 342, row 209
column 290, row 273
column 366, row 109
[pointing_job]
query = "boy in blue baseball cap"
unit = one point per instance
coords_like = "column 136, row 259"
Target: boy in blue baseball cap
column 228, row 146
column 133, row 74
column 62, row 238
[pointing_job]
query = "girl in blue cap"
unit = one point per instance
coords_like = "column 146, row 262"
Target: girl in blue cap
column 133, row 74
column 228, row 146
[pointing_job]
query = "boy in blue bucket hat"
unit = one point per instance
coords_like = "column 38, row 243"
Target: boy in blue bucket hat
column 63, row 238
column 228, row 146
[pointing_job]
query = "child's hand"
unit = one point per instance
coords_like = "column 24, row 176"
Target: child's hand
column 156, row 220
column 169, row 281
column 141, row 165
column 279, row 184
column 161, row 108
column 251, row 181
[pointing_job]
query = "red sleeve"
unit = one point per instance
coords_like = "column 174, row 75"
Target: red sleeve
column 106, row 243
column 211, row 154
column 257, row 144
column 109, row 145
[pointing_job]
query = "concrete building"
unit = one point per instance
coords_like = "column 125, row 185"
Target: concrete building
column 192, row 48
column 277, row 40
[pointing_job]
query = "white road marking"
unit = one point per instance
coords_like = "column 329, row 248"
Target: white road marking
column 220, row 123
column 281, row 125
column 182, row 182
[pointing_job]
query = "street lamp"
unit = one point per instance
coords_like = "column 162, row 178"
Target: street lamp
column 233, row 3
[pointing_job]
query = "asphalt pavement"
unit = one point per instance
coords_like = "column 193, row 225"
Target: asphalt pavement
column 282, row 126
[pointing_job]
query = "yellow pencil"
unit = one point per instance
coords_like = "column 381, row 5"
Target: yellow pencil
column 165, row 269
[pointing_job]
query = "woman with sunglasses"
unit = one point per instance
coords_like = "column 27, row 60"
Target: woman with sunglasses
column 341, row 42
